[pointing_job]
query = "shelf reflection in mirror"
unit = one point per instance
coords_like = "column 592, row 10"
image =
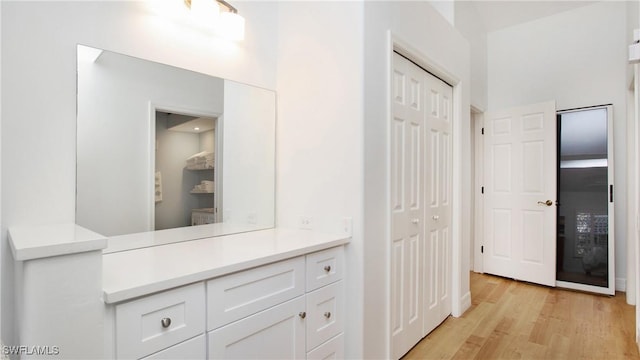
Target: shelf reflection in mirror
column 138, row 153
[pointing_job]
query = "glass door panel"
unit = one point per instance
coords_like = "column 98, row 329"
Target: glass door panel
column 585, row 196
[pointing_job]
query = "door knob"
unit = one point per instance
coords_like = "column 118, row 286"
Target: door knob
column 548, row 202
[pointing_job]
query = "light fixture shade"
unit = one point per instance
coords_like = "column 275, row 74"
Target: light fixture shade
column 205, row 12
column 231, row 26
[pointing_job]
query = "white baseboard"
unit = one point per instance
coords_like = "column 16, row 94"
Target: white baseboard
column 465, row 302
column 621, row 284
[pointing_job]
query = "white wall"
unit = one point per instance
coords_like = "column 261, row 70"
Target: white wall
column 469, row 23
column 577, row 58
column 446, row 8
column 421, row 27
column 319, row 132
column 38, row 93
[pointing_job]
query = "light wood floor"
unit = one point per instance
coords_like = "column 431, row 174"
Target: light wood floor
column 516, row 320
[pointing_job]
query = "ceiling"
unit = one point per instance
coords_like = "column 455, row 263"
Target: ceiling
column 499, row 14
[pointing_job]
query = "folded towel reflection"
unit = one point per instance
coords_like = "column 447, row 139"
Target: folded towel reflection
column 205, row 186
column 201, row 160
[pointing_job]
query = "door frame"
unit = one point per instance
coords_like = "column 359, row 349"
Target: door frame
column 460, row 302
column 611, row 289
column 477, row 237
column 219, row 129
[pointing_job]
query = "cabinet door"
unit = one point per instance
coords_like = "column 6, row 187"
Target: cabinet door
column 235, row 296
column 275, row 333
column 325, row 310
column 195, row 348
column 332, row 349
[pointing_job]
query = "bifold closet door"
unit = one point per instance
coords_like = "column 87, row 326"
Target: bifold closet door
column 407, row 208
column 436, row 247
column 420, row 199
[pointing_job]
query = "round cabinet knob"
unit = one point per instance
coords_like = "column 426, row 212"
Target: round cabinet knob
column 327, row 315
column 327, row 268
column 166, row 322
column 436, row 217
column 415, row 221
column 302, row 315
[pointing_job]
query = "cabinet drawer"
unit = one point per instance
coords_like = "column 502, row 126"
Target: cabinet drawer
column 139, row 323
column 275, row 333
column 325, row 267
column 195, row 348
column 235, row 296
column 332, row 349
column 325, row 314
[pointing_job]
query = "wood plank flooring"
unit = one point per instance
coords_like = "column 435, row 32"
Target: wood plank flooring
column 516, row 320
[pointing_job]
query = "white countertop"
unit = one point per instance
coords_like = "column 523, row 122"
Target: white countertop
column 133, row 273
column 35, row 242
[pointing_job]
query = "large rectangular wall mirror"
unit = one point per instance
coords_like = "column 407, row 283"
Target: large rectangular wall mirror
column 165, row 149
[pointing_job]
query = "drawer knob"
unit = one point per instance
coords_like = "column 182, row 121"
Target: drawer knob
column 327, row 315
column 166, row 322
column 327, row 268
column 302, row 314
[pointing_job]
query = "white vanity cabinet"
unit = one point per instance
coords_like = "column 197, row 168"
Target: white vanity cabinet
column 288, row 309
column 273, row 293
column 266, row 312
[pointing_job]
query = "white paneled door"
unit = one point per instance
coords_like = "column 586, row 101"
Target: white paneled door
column 407, row 208
column 420, row 199
column 520, row 193
column 437, row 240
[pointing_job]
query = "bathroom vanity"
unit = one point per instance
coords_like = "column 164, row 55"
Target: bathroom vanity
column 113, row 285
column 273, row 293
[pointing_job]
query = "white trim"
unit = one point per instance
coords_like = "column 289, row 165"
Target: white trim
column 611, row 204
column 583, row 287
column 478, row 163
column 387, row 195
column 465, row 300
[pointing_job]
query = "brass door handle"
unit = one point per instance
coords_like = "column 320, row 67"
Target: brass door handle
column 548, row 202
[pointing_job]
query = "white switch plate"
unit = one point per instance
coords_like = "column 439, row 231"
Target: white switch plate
column 634, row 53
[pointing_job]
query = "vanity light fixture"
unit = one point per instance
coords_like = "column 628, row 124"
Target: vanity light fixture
column 218, row 15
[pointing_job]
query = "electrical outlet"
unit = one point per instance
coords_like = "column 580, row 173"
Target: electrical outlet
column 347, row 225
column 252, row 217
column 305, row 222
